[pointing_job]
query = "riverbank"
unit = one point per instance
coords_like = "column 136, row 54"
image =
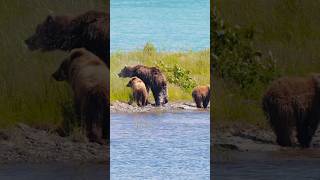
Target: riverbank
column 26, row 144
column 243, row 137
column 123, row 107
column 183, row 71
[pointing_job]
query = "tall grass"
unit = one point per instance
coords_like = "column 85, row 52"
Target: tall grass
column 197, row 63
column 290, row 29
column 27, row 92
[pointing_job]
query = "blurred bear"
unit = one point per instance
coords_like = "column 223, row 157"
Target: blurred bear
column 89, row 30
column 293, row 103
column 201, row 96
column 88, row 76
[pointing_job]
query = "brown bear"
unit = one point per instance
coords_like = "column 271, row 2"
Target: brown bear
column 88, row 76
column 90, row 30
column 139, row 91
column 293, row 102
column 201, row 95
column 152, row 77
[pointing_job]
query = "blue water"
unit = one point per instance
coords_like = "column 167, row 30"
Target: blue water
column 169, row 24
column 160, row 146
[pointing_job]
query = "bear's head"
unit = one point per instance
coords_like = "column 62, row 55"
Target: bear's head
column 133, row 81
column 50, row 35
column 127, row 71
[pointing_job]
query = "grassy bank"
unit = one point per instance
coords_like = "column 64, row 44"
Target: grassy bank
column 27, row 93
column 193, row 65
column 289, row 29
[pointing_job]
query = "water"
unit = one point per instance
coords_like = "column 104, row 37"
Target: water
column 160, row 146
column 169, row 24
column 53, row 171
column 284, row 165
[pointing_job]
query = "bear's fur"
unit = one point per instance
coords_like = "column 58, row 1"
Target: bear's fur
column 152, row 77
column 89, row 30
column 139, row 91
column 293, row 103
column 88, row 76
column 201, row 95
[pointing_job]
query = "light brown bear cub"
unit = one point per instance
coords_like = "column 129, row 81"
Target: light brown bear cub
column 88, row 76
column 139, row 91
column 201, row 95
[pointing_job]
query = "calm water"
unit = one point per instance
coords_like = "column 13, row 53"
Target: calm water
column 160, row 146
column 53, row 171
column 169, row 24
column 285, row 165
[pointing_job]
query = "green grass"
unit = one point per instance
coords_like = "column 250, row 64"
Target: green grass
column 196, row 62
column 290, row 29
column 27, row 92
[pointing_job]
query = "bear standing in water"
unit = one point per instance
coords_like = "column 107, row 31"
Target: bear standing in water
column 152, row 77
column 88, row 76
column 201, row 95
column 293, row 103
column 140, row 94
column 90, row 30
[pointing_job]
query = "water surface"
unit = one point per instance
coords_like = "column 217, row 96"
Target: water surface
column 169, row 24
column 284, row 165
column 160, row 146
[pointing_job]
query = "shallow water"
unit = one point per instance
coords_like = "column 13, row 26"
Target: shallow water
column 284, row 165
column 160, row 146
column 169, row 24
column 53, row 171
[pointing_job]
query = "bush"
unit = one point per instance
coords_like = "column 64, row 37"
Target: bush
column 149, row 49
column 235, row 58
column 177, row 75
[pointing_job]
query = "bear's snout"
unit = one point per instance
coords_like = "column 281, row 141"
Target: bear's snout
column 30, row 42
column 56, row 75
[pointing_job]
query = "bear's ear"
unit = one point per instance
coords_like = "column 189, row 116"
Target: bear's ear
column 49, row 19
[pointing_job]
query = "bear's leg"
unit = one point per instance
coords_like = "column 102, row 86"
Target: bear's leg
column 165, row 96
column 156, row 96
column 205, row 102
column 143, row 100
column 306, row 131
column 139, row 99
column 198, row 101
column 303, row 135
column 284, row 136
column 279, row 121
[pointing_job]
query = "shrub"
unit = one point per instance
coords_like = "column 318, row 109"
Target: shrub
column 235, row 58
column 177, row 75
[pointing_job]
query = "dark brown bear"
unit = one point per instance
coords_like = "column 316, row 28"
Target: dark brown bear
column 139, row 91
column 201, row 96
column 88, row 76
column 293, row 104
column 152, row 77
column 89, row 30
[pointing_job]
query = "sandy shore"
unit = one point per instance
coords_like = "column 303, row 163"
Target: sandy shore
column 26, row 144
column 241, row 137
column 122, row 107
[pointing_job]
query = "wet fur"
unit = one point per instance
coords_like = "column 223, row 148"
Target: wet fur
column 293, row 104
